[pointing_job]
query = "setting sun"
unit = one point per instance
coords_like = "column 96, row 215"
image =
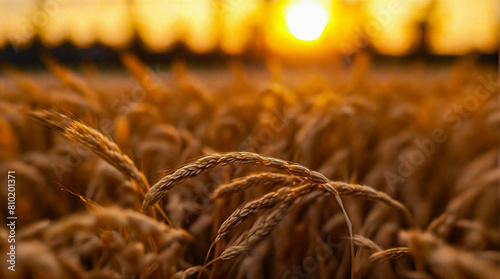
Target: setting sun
column 306, row 20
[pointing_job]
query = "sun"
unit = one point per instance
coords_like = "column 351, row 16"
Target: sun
column 306, row 20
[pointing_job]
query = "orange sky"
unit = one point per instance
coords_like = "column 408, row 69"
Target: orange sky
column 456, row 26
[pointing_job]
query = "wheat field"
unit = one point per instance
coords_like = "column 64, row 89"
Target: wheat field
column 354, row 171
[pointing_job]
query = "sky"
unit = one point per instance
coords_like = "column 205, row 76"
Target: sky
column 390, row 26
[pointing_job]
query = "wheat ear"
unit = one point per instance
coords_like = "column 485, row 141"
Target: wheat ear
column 205, row 163
column 93, row 141
column 97, row 143
column 367, row 243
column 264, row 179
column 389, row 254
column 366, row 192
column 183, row 274
column 257, row 234
column 270, row 199
column 267, row 201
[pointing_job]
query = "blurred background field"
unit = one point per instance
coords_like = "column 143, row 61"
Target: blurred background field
column 254, row 26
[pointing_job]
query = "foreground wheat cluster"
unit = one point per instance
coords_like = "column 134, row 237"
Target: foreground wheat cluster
column 359, row 172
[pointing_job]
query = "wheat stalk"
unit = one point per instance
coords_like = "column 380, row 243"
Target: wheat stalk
column 205, row 163
column 183, row 274
column 98, row 144
column 92, row 140
column 284, row 197
column 264, row 179
column 367, row 243
column 258, row 233
column 267, row 201
column 366, row 192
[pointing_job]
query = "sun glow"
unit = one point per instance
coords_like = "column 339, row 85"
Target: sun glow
column 306, row 20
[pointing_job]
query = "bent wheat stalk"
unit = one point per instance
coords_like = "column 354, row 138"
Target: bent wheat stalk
column 205, row 163
column 256, row 234
column 96, row 142
column 93, row 141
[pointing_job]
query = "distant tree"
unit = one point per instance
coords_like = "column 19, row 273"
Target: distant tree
column 423, row 25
